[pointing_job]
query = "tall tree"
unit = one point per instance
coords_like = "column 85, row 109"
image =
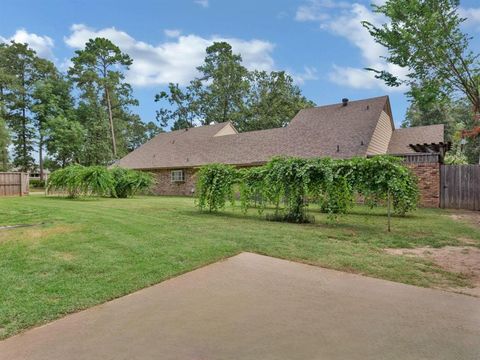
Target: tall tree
column 425, row 37
column 99, row 69
column 4, row 142
column 224, row 85
column 52, row 99
column 65, row 141
column 226, row 91
column 272, row 101
column 93, row 117
column 6, row 80
column 138, row 132
column 19, row 69
column 181, row 112
column 216, row 95
column 456, row 115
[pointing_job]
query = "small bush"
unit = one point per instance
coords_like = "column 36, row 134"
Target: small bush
column 77, row 180
column 129, row 182
column 67, row 180
column 37, row 183
column 97, row 180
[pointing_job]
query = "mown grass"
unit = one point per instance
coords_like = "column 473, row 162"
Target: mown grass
column 84, row 252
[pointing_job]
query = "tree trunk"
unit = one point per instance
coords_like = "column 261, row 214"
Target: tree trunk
column 24, row 139
column 110, row 118
column 24, row 126
column 388, row 209
column 40, row 154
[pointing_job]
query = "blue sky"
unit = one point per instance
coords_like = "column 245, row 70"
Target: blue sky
column 319, row 42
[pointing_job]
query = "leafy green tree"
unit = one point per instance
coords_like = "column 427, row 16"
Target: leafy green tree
column 98, row 72
column 216, row 95
column 65, row 141
column 52, row 101
column 457, row 116
column 425, row 37
column 272, row 101
column 137, row 132
column 98, row 149
column 224, row 85
column 226, row 91
column 181, row 110
column 6, row 81
column 4, row 142
column 19, row 71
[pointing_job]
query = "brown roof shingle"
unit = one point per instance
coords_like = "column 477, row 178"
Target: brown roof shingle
column 402, row 138
column 314, row 132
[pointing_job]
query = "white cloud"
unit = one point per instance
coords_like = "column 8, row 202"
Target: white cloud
column 472, row 15
column 43, row 45
column 358, row 78
column 172, row 33
column 317, row 10
column 345, row 20
column 309, row 73
column 202, row 3
column 174, row 60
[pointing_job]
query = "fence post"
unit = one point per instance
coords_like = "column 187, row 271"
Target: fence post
column 21, row 183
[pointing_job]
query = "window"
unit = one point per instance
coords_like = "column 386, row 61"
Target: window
column 177, row 176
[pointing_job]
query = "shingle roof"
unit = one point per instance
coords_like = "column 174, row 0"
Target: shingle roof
column 314, row 132
column 402, row 138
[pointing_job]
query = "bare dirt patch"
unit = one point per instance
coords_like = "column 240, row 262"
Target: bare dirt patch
column 464, row 260
column 471, row 217
column 35, row 233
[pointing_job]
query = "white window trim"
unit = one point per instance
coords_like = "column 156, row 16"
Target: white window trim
column 177, row 176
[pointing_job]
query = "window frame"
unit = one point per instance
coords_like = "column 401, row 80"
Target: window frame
column 177, row 179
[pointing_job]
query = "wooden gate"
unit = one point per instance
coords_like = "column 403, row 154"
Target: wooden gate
column 460, row 187
column 13, row 184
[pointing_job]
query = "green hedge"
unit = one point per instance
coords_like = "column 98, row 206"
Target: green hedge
column 78, row 180
column 37, row 183
column 290, row 184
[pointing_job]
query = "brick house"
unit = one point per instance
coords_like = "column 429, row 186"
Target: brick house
column 351, row 128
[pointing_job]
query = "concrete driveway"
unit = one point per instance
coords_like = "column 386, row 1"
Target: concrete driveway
column 257, row 307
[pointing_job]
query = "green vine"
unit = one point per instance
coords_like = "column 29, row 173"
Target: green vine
column 290, row 184
column 215, row 186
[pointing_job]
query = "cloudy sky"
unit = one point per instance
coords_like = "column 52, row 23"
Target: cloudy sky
column 321, row 43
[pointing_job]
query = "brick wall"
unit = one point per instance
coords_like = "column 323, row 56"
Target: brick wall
column 165, row 186
column 428, row 175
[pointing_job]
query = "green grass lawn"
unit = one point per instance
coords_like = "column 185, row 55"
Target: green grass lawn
column 85, row 252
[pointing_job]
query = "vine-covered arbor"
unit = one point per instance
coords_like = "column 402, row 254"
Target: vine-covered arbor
column 291, row 184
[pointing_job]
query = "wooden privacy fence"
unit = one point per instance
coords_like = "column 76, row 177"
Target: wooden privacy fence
column 13, row 184
column 460, row 187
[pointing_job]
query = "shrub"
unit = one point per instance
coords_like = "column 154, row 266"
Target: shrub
column 69, row 180
column 129, row 182
column 97, row 180
column 77, row 180
column 37, row 183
